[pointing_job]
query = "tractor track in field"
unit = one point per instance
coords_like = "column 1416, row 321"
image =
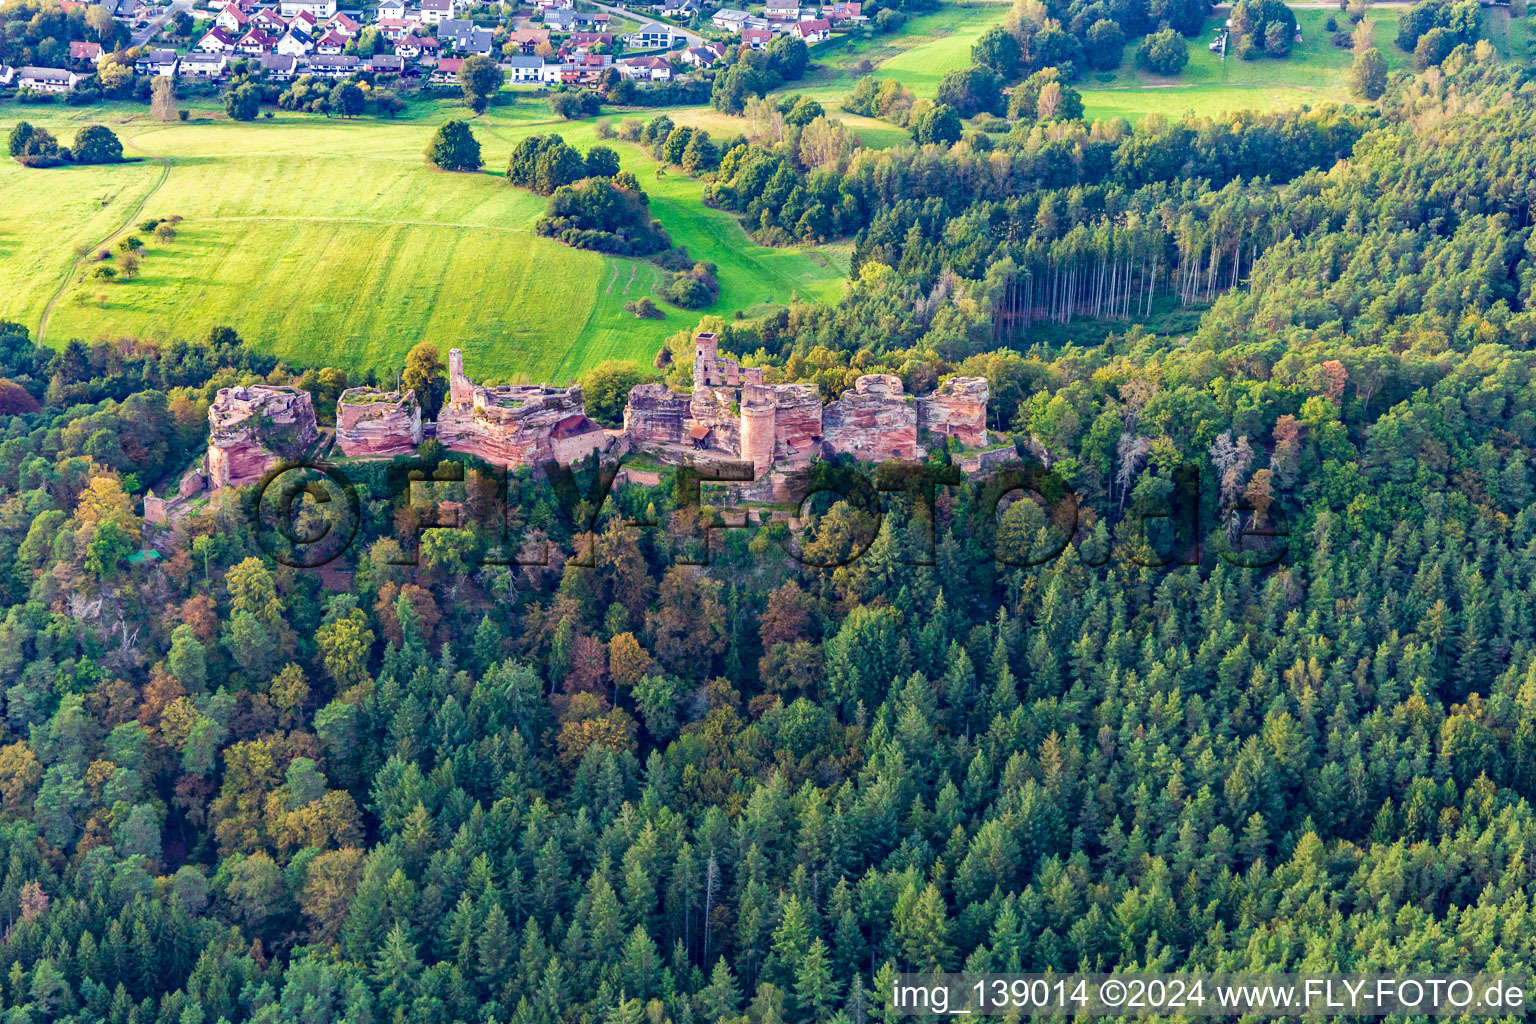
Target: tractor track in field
column 69, row 275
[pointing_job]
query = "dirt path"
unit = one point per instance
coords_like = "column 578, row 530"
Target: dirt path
column 69, row 275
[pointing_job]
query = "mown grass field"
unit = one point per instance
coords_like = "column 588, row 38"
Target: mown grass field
column 331, row 242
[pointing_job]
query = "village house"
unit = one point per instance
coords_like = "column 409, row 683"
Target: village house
column 255, row 43
column 279, row 67
column 585, row 70
column 841, row 12
column 447, row 71
column 467, row 38
column 813, row 31
column 682, row 10
column 757, row 38
column 435, row 12
column 522, row 68
column 646, row 69
column 390, row 10
column 159, row 63
column 7, row 74
column 386, row 64
column 781, row 10
column 344, row 24
column 305, row 22
column 552, row 72
column 652, row 36
column 270, row 22
column 216, row 40
column 332, row 65
column 202, row 64
column 331, row 44
column 560, row 20
column 393, row 29
column 295, row 43
column 232, row 20
column 416, row 47
column 583, row 42
column 728, row 19
column 320, row 10
column 705, row 56
column 556, row 5
column 46, row 79
column 81, row 52
column 529, row 39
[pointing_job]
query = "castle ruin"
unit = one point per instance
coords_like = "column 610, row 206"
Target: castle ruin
column 374, row 422
column 251, row 429
column 516, row 424
column 731, row 412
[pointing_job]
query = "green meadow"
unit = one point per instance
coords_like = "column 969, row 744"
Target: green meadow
column 331, row 242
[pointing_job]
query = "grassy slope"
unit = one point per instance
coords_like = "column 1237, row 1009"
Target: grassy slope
column 331, row 242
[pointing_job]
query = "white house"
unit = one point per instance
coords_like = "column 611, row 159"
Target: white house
column 320, row 10
column 201, row 64
column 706, row 56
column 158, row 63
column 393, row 10
column 782, row 10
column 278, row 66
column 7, row 74
column 652, row 36
column 646, row 69
column 216, row 41
column 344, row 24
column 549, row 74
column 813, row 31
column 232, row 20
column 331, row 44
column 523, row 69
column 46, row 79
column 334, row 65
column 680, row 9
column 435, row 12
column 393, row 29
column 757, row 38
column 295, row 43
column 447, row 71
column 729, row 19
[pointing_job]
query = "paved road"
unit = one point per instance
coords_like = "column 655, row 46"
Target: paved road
column 694, row 39
column 143, row 35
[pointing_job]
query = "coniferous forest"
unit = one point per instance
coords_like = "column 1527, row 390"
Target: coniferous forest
column 640, row 789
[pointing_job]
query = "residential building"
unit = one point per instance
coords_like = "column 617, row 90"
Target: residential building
column 306, row 23
column 729, row 19
column 81, row 52
column 447, row 71
column 466, row 36
column 705, row 56
column 216, row 40
column 295, row 43
column 232, row 20
column 646, row 69
column 781, row 10
column 391, row 10
column 841, row 11
column 435, row 12
column 757, row 38
column 813, row 31
column 344, row 24
column 523, row 68
column 415, row 47
column 393, row 29
column 331, row 44
column 559, row 20
column 255, row 43
column 320, row 10
column 529, row 39
column 386, row 64
column 582, row 42
column 652, row 36
column 7, row 74
column 279, row 67
column 202, row 64
column 46, row 79
column 269, row 21
column 680, row 9
column 334, row 65
column 158, row 63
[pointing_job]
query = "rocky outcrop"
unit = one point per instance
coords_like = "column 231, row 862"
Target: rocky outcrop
column 957, row 409
column 250, row 429
column 874, row 420
column 654, row 414
column 374, row 422
column 515, row 424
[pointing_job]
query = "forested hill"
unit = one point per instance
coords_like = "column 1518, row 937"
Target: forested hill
column 646, row 790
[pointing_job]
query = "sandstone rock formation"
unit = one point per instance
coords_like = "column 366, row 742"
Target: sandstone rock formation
column 374, row 422
column 251, row 429
column 957, row 409
column 515, row 425
column 874, row 420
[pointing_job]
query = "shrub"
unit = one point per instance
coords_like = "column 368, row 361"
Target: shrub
column 574, row 104
column 694, row 288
